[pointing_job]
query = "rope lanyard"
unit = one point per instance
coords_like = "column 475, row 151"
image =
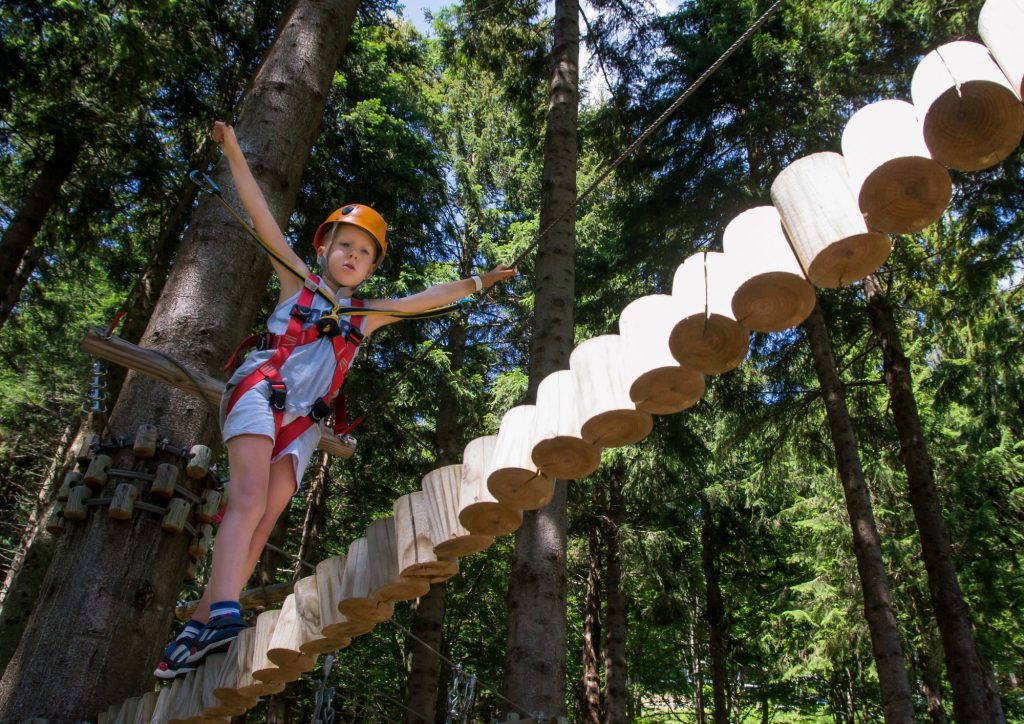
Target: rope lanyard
column 209, row 186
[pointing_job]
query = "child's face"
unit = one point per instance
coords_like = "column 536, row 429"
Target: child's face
column 350, row 254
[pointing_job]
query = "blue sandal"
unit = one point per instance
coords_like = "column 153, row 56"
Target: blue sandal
column 216, row 636
column 174, row 662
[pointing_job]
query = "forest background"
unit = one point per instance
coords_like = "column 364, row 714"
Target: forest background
column 445, row 136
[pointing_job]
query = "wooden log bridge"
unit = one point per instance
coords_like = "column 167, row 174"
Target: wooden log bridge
column 169, row 371
column 817, row 230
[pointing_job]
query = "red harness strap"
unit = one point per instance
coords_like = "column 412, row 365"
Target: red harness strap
column 344, row 345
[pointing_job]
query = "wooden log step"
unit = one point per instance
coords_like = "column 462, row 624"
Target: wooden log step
column 513, row 477
column 1001, row 26
column 608, row 416
column 236, row 674
column 386, row 582
column 307, row 602
column 285, row 649
column 479, row 511
column 251, row 598
column 356, row 601
column 773, row 293
column 441, row 491
column 263, row 669
column 899, row 186
column 657, row 382
column 559, row 450
column 819, row 211
column 335, row 625
column 707, row 336
column 213, row 671
column 972, row 118
column 416, row 556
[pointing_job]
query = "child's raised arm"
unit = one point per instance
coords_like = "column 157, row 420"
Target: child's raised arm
column 436, row 296
column 256, row 206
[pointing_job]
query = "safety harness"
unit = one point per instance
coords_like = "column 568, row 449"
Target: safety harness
column 345, row 338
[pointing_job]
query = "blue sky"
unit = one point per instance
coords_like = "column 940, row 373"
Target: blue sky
column 414, row 12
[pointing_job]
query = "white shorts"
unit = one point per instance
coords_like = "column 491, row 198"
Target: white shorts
column 252, row 415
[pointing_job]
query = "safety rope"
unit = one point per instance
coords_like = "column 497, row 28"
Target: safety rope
column 640, row 140
column 521, row 709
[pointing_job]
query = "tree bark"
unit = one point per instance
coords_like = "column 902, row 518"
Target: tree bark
column 16, row 258
column 698, row 671
column 897, row 704
column 121, row 580
column 616, row 691
column 931, row 687
column 714, row 612
column 535, row 661
column 590, row 699
column 963, row 667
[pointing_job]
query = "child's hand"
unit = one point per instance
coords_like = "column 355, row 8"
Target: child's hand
column 223, row 134
column 498, row 274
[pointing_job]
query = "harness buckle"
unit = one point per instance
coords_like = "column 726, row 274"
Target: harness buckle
column 320, row 410
column 355, row 336
column 328, row 326
column 278, row 393
column 301, row 312
column 264, row 341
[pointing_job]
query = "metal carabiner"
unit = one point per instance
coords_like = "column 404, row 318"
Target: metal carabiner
column 204, row 182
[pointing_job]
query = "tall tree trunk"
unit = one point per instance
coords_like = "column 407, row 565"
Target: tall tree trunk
column 423, row 677
column 121, row 579
column 316, row 500
column 28, row 567
column 963, row 667
column 698, row 670
column 931, row 687
column 16, row 259
column 590, row 698
column 714, row 612
column 897, row 704
column 616, row 691
column 535, row 653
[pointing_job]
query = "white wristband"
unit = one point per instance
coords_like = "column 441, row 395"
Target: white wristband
column 477, row 282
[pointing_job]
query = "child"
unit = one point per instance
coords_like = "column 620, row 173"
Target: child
column 274, row 400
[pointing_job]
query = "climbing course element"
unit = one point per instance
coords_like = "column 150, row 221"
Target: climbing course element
column 1000, row 25
column 512, row 476
column 658, row 384
column 972, row 119
column 559, row 450
column 706, row 336
column 899, row 186
column 441, row 493
column 416, row 555
column 479, row 511
column 821, row 217
column 357, row 602
column 386, row 583
column 832, row 244
column 608, row 416
column 773, row 293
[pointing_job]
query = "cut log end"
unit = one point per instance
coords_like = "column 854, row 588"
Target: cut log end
column 566, row 457
column 490, row 519
column 615, row 428
column 404, row 589
column 849, row 260
column 975, row 126
column 667, row 390
column 320, row 646
column 521, row 488
column 463, row 545
column 366, row 610
column 773, row 301
column 905, row 195
column 347, row 629
column 432, row 570
column 712, row 345
column 290, row 659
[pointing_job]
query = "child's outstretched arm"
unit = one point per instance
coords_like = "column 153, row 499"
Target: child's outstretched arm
column 436, row 296
column 256, row 206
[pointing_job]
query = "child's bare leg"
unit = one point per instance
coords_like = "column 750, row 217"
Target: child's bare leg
column 249, row 461
column 280, row 490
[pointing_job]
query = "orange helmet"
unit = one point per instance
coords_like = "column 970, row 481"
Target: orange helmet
column 359, row 215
